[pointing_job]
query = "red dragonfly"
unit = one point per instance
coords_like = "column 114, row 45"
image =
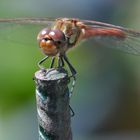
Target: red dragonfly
column 65, row 33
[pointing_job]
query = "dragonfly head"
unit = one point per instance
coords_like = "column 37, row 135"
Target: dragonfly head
column 51, row 41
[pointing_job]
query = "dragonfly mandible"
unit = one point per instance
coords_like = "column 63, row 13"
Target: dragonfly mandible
column 66, row 33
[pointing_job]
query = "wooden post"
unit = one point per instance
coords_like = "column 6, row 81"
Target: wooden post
column 52, row 95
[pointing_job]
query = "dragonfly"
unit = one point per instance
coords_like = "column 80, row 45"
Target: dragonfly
column 65, row 33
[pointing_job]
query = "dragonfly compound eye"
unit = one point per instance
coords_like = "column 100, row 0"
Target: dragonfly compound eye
column 42, row 34
column 46, row 43
column 57, row 35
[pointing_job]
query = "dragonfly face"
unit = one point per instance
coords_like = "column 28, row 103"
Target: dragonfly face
column 51, row 41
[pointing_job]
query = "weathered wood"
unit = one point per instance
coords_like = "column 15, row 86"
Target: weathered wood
column 52, row 95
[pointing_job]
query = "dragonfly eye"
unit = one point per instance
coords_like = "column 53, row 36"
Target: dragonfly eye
column 57, row 35
column 43, row 34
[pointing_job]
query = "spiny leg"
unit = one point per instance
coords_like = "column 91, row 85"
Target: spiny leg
column 60, row 61
column 73, row 85
column 40, row 62
column 72, row 69
column 72, row 112
column 52, row 62
column 73, row 72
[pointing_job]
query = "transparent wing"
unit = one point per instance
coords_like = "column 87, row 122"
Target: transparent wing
column 112, row 36
column 38, row 21
column 23, row 30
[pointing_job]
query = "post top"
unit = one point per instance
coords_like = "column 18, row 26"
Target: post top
column 51, row 74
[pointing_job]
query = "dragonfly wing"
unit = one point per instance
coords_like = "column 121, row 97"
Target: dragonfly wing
column 130, row 43
column 113, row 36
column 38, row 21
column 22, row 30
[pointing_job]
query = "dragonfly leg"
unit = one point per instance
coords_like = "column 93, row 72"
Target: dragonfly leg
column 72, row 69
column 52, row 62
column 72, row 112
column 60, row 61
column 40, row 62
column 73, row 72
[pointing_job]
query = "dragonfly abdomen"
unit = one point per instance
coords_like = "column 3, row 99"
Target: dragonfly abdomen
column 104, row 33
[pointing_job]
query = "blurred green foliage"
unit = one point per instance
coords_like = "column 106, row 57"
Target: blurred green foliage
column 106, row 96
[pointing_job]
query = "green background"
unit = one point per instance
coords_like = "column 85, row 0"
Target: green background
column 107, row 93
